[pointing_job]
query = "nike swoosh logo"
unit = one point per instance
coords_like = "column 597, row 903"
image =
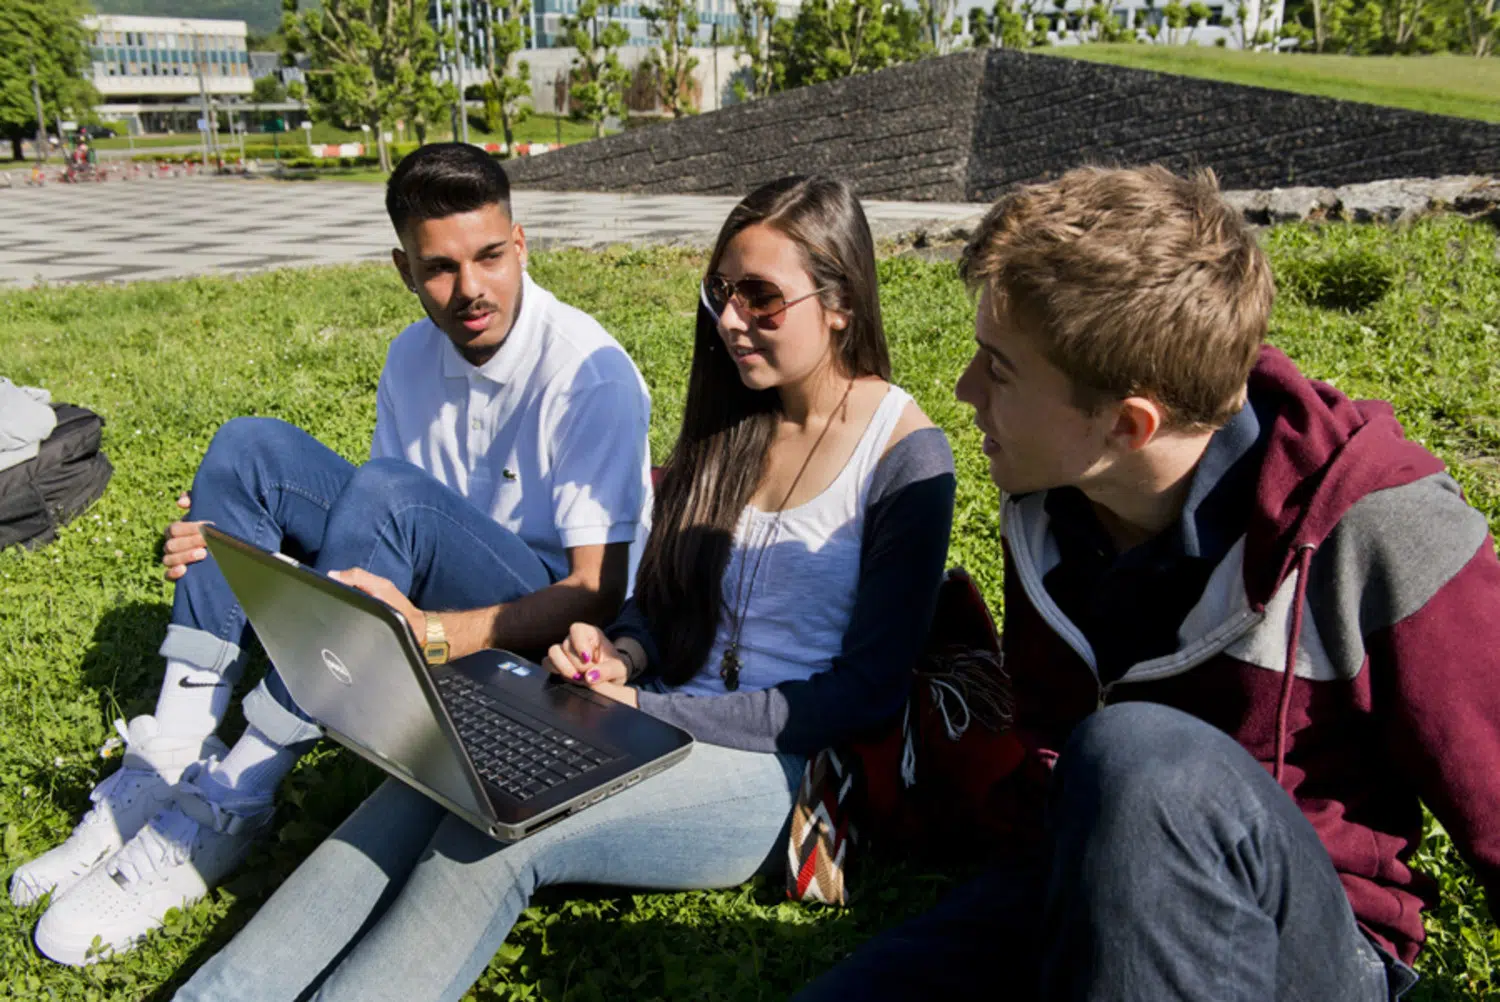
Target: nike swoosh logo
column 184, row 683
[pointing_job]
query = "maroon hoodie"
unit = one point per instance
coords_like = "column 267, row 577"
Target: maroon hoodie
column 1350, row 640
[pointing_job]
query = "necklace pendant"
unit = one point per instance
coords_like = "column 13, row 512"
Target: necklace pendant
column 729, row 668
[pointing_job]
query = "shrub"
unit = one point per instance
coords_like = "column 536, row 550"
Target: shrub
column 1348, row 280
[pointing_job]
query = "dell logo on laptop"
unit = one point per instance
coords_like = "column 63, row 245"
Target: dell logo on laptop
column 336, row 667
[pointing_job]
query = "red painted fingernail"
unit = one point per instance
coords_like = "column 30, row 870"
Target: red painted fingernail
column 584, row 657
column 593, row 676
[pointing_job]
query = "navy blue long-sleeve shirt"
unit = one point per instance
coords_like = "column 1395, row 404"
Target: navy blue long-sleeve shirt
column 902, row 556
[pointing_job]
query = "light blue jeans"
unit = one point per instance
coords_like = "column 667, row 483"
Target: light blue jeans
column 407, row 902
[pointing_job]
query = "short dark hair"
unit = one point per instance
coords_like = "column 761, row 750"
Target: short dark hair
column 443, row 179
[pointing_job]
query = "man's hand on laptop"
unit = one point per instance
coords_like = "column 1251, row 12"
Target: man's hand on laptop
column 378, row 587
column 182, row 542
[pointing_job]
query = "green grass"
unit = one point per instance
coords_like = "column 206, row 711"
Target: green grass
column 153, row 142
column 1443, row 84
column 167, row 363
column 536, row 129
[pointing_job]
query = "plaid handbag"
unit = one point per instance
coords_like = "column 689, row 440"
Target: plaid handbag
column 821, row 831
column 930, row 773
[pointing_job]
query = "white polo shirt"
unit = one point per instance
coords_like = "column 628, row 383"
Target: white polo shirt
column 549, row 437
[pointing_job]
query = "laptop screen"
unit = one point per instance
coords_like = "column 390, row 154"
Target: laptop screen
column 349, row 662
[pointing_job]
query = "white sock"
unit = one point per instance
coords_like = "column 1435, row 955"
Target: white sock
column 192, row 701
column 252, row 770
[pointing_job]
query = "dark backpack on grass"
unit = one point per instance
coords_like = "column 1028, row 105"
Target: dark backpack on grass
column 68, row 474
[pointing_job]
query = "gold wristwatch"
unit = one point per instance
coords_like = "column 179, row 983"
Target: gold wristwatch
column 435, row 649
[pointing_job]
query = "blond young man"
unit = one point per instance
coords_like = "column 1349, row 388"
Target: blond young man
column 1250, row 630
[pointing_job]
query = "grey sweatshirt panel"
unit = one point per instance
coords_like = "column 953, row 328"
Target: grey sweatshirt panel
column 905, row 546
column 1390, row 553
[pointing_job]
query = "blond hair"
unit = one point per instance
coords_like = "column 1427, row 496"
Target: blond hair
column 1140, row 283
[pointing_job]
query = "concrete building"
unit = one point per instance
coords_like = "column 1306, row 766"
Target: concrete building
column 265, row 64
column 1140, row 15
column 152, row 71
column 547, row 19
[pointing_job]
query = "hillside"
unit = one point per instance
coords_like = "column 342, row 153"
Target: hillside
column 263, row 16
column 1439, row 85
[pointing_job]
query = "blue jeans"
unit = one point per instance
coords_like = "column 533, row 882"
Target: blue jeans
column 406, row 902
column 276, row 486
column 1177, row 869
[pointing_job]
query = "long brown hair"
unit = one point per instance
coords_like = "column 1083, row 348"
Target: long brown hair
column 727, row 428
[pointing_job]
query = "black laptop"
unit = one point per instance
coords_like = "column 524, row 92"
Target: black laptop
column 495, row 738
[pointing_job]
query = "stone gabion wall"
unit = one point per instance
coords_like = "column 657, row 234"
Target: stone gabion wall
column 904, row 133
column 967, row 127
column 1039, row 115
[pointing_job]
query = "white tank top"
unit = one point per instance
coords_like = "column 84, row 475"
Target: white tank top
column 801, row 599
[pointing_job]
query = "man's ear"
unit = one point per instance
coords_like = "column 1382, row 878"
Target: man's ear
column 403, row 268
column 1138, row 420
column 518, row 237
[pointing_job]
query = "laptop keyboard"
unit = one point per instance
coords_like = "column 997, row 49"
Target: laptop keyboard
column 521, row 759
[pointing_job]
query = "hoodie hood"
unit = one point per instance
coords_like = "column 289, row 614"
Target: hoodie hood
column 1324, row 452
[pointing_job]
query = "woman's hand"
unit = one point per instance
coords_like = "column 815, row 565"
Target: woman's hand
column 588, row 656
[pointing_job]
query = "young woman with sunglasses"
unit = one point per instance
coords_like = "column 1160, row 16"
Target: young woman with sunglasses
column 800, row 532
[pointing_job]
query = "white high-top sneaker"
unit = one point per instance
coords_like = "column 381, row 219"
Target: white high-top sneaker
column 123, row 802
column 183, row 851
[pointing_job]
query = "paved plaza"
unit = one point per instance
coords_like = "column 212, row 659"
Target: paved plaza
column 121, row 231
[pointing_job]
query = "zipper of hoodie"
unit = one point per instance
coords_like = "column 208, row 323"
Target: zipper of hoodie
column 1185, row 661
column 1178, row 663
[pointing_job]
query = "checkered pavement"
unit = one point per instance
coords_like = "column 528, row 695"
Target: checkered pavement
column 122, row 231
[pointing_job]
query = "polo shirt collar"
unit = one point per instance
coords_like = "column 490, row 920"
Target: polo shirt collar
column 516, row 352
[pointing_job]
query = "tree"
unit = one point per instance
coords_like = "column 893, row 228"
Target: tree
column 980, row 32
column 1319, row 32
column 938, row 23
column 1106, row 27
column 831, row 39
column 753, row 41
column 372, row 60
column 1481, row 24
column 267, row 90
column 598, row 79
column 1197, row 15
column 44, row 50
column 504, row 33
column 1004, row 26
column 1175, row 16
column 674, row 25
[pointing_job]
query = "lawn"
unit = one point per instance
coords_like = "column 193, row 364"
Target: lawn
column 535, row 129
column 1408, row 315
column 1442, row 84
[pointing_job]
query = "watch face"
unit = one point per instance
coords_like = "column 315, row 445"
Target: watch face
column 436, row 653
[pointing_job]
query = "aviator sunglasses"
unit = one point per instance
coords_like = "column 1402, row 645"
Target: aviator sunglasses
column 762, row 301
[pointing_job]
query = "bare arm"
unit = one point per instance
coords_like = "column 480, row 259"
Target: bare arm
column 592, row 593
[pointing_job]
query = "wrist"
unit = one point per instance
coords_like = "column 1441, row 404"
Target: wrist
column 435, row 646
column 631, row 668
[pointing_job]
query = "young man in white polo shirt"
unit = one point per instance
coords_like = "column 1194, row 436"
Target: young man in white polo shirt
column 509, row 476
